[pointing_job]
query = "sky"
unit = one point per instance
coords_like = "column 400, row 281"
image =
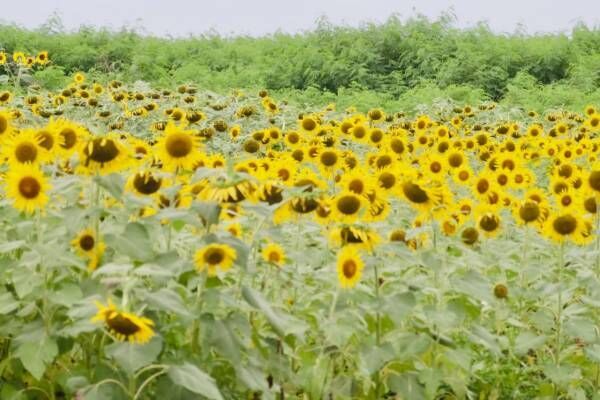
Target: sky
column 260, row 17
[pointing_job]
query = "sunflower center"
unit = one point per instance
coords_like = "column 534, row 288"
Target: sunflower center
column 565, row 224
column 397, row 146
column 398, row 236
column 590, row 205
column 356, row 186
column 274, row 257
column 349, row 268
column 122, row 325
column 26, row 152
column 483, row 186
column 214, row 256
column 309, row 124
column 359, row 132
column 69, row 137
column 3, row 124
column 470, row 235
column 594, row 180
column 329, row 158
column 530, row 211
column 146, row 184
column 86, row 242
column 304, row 206
column 566, row 200
column 386, row 180
column 414, row 193
column 46, row 140
column 179, row 145
column 435, row 167
column 383, row 161
column 29, row 187
column 348, row 205
column 489, row 223
column 463, row 175
column 102, row 150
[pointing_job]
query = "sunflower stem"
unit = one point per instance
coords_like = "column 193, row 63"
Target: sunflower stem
column 377, row 327
column 557, row 345
column 597, row 217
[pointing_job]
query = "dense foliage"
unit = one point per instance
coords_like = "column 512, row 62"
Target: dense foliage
column 394, row 61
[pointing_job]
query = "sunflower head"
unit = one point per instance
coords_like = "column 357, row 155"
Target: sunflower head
column 349, row 267
column 274, row 254
column 124, row 326
column 215, row 257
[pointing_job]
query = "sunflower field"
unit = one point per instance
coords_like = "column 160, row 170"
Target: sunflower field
column 177, row 243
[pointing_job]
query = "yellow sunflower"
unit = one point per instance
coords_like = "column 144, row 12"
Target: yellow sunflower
column 178, row 148
column 215, row 256
column 124, row 326
column 349, row 267
column 104, row 155
column 25, row 148
column 27, row 187
column 274, row 254
column 87, row 245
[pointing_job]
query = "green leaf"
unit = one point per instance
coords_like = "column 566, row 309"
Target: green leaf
column 133, row 356
column 25, row 282
column 8, row 303
column 13, row 245
column 35, row 356
column 283, row 324
column 528, row 341
column 192, row 378
column 113, row 183
column 167, row 300
column 407, row 385
column 134, row 242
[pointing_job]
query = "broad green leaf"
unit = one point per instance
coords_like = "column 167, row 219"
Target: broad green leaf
column 192, row 378
column 283, row 324
column 35, row 356
column 133, row 356
column 526, row 341
column 134, row 242
column 8, row 303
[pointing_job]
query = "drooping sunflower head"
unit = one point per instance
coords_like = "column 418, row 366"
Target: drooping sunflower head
column 104, row 155
column 144, row 183
column 214, row 257
column 124, row 326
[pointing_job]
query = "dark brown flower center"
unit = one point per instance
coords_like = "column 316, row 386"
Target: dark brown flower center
column 29, row 187
column 414, row 193
column 565, row 224
column 179, row 145
column 86, row 242
column 26, row 152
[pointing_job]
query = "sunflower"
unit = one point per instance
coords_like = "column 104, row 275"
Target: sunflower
column 69, row 135
column 567, row 225
column 529, row 212
column 104, row 155
column 87, row 245
column 24, row 148
column 124, row 326
column 274, row 254
column 347, row 206
column 420, row 196
column 355, row 236
column 349, row 267
column 144, row 183
column 488, row 220
column 6, row 128
column 2, row 58
column 328, row 161
column 27, row 187
column 227, row 189
column 178, row 148
column 79, row 77
column 42, row 58
column 215, row 256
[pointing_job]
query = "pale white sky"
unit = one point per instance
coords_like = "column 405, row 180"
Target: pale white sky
column 259, row 17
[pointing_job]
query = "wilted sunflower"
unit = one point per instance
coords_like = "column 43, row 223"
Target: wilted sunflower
column 355, row 236
column 274, row 254
column 227, row 189
column 87, row 245
column 349, row 267
column 178, row 148
column 421, row 197
column 27, row 187
column 215, row 256
column 124, row 326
